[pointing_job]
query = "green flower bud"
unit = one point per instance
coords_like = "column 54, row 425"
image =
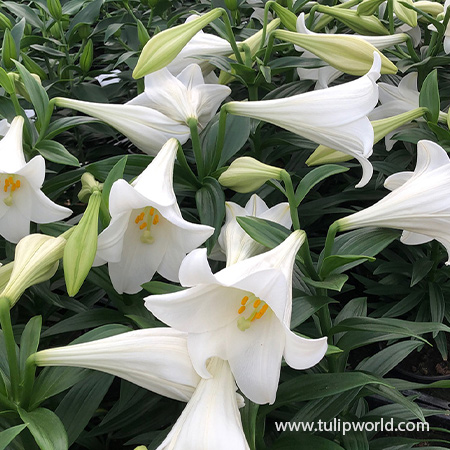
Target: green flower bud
column 326, row 155
column 6, row 81
column 432, row 8
column 368, row 7
column 55, row 31
column 409, row 16
column 348, row 54
column 5, row 274
column 288, row 18
column 366, row 25
column 161, row 49
column 232, row 5
column 89, row 185
column 5, row 23
column 143, row 35
column 19, row 86
column 33, row 67
column 247, row 174
column 84, row 31
column 87, row 56
column 81, row 246
column 55, row 9
column 36, row 260
column 9, row 51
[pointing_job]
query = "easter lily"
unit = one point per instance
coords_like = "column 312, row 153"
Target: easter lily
column 156, row 359
column 418, row 203
column 335, row 117
column 241, row 314
column 234, row 241
column 21, row 198
column 147, row 233
column 211, row 419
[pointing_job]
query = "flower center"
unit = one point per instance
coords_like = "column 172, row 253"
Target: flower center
column 146, row 219
column 10, row 184
column 259, row 309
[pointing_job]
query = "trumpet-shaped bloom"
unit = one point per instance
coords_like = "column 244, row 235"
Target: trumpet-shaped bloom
column 234, row 241
column 211, row 419
column 327, row 74
column 162, row 111
column 182, row 97
column 156, row 359
column 335, row 117
column 418, row 203
column 147, row 233
column 241, row 314
column 21, row 198
column 397, row 99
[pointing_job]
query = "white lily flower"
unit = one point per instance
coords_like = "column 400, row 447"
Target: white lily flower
column 335, row 117
column 211, row 419
column 418, row 203
column 327, row 74
column 156, row 359
column 147, row 233
column 234, row 241
column 397, row 99
column 106, row 79
column 241, row 314
column 21, row 198
column 162, row 111
column 201, row 45
column 182, row 97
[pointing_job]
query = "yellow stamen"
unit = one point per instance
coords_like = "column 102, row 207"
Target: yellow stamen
column 241, row 309
column 143, row 225
column 11, row 180
column 257, row 303
column 152, row 211
column 18, row 184
column 244, row 300
column 6, row 187
column 156, row 219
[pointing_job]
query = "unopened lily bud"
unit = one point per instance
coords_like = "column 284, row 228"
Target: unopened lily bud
column 247, row 174
column 162, row 49
column 232, row 5
column 87, row 56
column 84, row 31
column 55, row 9
column 348, row 54
column 5, row 23
column 36, row 260
column 326, row 155
column 19, row 86
column 5, row 274
column 432, row 8
column 9, row 51
column 141, row 447
column 89, row 185
column 360, row 24
column 143, row 35
column 409, row 16
column 81, row 246
column 288, row 18
column 368, row 7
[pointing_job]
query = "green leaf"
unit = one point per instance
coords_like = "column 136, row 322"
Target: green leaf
column 56, row 152
column 81, row 402
column 65, row 123
column 22, row 10
column 437, row 303
column 46, row 428
column 314, row 177
column 334, row 282
column 331, row 263
column 38, row 94
column 429, row 97
column 159, row 287
column 305, row 306
column 6, row 82
column 115, row 174
column 268, row 233
column 210, row 201
column 421, row 268
column 87, row 15
column 29, row 340
column 7, row 436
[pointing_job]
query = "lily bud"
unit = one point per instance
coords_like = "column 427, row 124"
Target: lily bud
column 5, row 23
column 9, row 51
column 432, row 8
column 5, row 274
column 143, row 35
column 368, row 7
column 165, row 46
column 360, row 24
column 19, row 86
column 89, row 185
column 55, row 9
column 232, row 5
column 326, row 155
column 81, row 246
column 87, row 56
column 247, row 174
column 288, row 18
column 85, row 30
column 36, row 260
column 349, row 54
column 409, row 16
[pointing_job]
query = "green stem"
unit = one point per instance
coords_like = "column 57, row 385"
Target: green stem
column 28, row 382
column 305, row 254
column 334, row 228
column 269, row 48
column 310, row 18
column 184, row 164
column 432, row 44
column 10, row 343
column 266, row 20
column 220, row 136
column 196, row 146
column 231, row 37
column 290, row 194
column 390, row 8
column 411, row 50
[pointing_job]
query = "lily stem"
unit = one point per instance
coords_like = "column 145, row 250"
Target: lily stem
column 390, row 8
column 290, row 194
column 332, row 231
column 10, row 343
column 231, row 37
column 181, row 158
column 196, row 147
column 28, row 382
column 220, row 136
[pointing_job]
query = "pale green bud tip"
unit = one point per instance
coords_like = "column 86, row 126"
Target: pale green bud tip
column 89, row 185
column 247, row 174
column 326, row 155
column 141, row 447
column 162, row 49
